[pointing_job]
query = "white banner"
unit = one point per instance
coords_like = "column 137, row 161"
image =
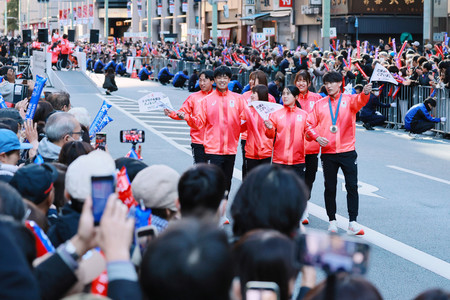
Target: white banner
column 380, row 73
column 154, row 101
column 264, row 108
column 130, row 63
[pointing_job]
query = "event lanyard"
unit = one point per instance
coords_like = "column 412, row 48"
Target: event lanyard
column 334, row 117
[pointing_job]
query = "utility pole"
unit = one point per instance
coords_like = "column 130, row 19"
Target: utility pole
column 19, row 16
column 149, row 21
column 28, row 14
column 71, row 15
column 6, row 18
column 106, row 21
column 46, row 13
column 214, row 21
column 427, row 21
column 326, row 24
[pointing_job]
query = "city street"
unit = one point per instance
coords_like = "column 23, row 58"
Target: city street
column 404, row 184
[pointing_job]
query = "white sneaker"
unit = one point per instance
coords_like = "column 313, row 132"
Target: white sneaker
column 333, row 226
column 354, row 229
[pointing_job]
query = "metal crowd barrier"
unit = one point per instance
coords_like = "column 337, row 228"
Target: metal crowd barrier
column 405, row 97
column 408, row 96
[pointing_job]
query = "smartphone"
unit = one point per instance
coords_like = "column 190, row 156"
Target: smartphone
column 100, row 140
column 262, row 290
column 102, row 188
column 144, row 235
column 333, row 253
column 132, row 136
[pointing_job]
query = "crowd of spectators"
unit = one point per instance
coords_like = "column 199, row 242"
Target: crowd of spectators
column 51, row 248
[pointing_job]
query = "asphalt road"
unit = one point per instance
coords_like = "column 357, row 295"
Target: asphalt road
column 404, row 185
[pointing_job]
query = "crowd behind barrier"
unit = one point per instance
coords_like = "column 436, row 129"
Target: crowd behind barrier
column 405, row 98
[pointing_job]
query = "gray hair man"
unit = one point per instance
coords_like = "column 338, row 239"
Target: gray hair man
column 60, row 128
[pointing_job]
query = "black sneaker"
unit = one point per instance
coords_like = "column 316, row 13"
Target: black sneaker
column 367, row 126
column 108, row 93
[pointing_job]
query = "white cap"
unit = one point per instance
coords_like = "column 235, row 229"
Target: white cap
column 80, row 171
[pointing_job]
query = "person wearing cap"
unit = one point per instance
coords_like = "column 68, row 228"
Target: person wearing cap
column 60, row 128
column 160, row 194
column 418, row 118
column 332, row 125
column 10, row 147
column 77, row 189
column 415, row 47
column 369, row 115
column 35, row 183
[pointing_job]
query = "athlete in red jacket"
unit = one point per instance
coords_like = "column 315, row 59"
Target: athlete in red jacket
column 256, row 77
column 191, row 106
column 307, row 100
column 220, row 115
column 288, row 127
column 65, row 50
column 258, row 148
column 332, row 124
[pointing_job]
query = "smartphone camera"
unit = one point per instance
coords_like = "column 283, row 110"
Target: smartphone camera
column 100, row 140
column 102, row 188
column 333, row 253
column 262, row 290
column 132, row 136
column 144, row 235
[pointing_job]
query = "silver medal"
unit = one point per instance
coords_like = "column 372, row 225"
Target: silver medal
column 333, row 128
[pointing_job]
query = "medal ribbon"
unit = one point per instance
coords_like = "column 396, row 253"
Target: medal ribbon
column 334, row 117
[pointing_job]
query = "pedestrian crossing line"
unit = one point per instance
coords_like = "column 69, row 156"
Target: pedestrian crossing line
column 173, row 132
column 158, row 122
column 161, row 126
column 180, row 139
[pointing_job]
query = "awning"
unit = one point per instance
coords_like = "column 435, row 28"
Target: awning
column 280, row 13
column 255, row 16
column 225, row 26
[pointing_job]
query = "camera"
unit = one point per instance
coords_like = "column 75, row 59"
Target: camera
column 132, row 136
column 333, row 253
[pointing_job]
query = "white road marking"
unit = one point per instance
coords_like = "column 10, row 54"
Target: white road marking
column 414, row 255
column 363, row 188
column 169, row 127
column 173, row 132
column 419, row 174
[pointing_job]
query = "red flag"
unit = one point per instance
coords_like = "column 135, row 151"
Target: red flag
column 124, row 188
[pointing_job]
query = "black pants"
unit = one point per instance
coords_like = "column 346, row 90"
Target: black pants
column 311, row 162
column 226, row 163
column 373, row 120
column 198, row 152
column 244, row 159
column 164, row 79
column 179, row 83
column 331, row 164
column 299, row 169
column 419, row 126
column 64, row 58
column 253, row 163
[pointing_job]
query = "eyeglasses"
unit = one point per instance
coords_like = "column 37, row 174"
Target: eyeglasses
column 79, row 132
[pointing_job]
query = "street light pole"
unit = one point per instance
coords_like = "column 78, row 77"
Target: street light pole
column 6, row 18
column 149, row 21
column 214, row 21
column 326, row 24
column 106, row 21
column 19, row 15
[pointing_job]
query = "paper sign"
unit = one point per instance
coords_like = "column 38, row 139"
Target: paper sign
column 264, row 108
column 380, row 73
column 154, row 101
column 348, row 89
column 130, row 63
